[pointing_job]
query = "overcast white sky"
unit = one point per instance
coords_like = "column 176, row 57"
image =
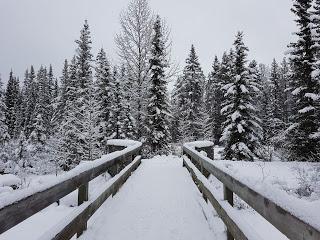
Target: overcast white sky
column 43, row 31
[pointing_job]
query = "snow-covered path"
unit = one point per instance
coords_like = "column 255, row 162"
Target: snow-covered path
column 159, row 201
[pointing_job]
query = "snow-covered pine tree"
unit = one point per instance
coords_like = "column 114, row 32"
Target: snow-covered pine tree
column 226, row 68
column 286, row 97
column 275, row 122
column 30, row 100
column 38, row 136
column 22, row 152
column 104, row 88
column 241, row 133
column 51, row 83
column 51, row 98
column 316, row 72
column 43, row 105
column 4, row 135
column 114, row 125
column 56, row 89
column 177, row 100
column 213, row 103
column 265, row 106
column 11, row 97
column 192, row 109
column 128, row 123
column 60, row 97
column 157, row 116
column 85, row 98
column 84, row 57
column 226, row 73
column 89, row 126
column 19, row 111
column 303, row 145
column 69, row 147
column 64, row 80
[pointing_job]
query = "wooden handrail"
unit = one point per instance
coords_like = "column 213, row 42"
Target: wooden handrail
column 286, row 222
column 80, row 217
column 18, row 209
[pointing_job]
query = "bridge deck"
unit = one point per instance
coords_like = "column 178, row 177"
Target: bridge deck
column 159, row 201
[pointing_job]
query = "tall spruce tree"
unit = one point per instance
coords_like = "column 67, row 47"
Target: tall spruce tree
column 4, row 135
column 241, row 133
column 69, row 147
column 85, row 98
column 275, row 122
column 265, row 104
column 114, row 125
column 30, row 100
column 89, row 126
column 64, row 80
column 103, row 94
column 177, row 101
column 11, row 98
column 316, row 72
column 60, row 97
column 19, row 112
column 84, row 58
column 128, row 123
column 303, row 145
column 43, row 105
column 213, row 103
column 51, row 98
column 192, row 109
column 286, row 97
column 157, row 117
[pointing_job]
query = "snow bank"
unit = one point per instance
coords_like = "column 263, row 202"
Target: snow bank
column 305, row 210
column 82, row 167
column 199, row 144
column 9, row 180
column 123, row 142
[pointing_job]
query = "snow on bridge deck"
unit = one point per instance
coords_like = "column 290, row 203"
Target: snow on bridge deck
column 159, row 201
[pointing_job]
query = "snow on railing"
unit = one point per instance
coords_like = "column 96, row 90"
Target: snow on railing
column 21, row 204
column 284, row 212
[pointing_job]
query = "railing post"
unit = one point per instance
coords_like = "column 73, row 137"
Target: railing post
column 83, row 195
column 228, row 195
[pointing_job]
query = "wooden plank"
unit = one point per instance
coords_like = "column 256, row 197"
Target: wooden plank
column 83, row 195
column 228, row 195
column 15, row 213
column 290, row 225
column 198, row 164
column 71, row 229
column 228, row 221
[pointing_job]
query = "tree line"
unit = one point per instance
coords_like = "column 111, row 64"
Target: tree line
column 253, row 110
column 256, row 111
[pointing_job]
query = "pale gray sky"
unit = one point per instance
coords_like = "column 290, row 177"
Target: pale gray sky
column 43, row 31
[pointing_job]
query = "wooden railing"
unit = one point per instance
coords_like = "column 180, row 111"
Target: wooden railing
column 285, row 221
column 26, row 203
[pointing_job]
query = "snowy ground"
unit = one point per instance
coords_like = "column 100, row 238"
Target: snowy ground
column 297, row 182
column 159, row 201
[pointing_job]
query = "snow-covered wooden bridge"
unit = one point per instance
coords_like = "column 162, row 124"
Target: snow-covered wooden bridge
column 153, row 199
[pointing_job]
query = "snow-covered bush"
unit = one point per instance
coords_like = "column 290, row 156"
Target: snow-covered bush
column 308, row 182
